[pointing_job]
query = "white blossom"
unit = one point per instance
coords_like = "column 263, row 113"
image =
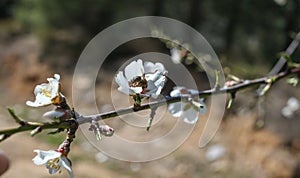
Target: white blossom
column 53, row 160
column 175, row 55
column 291, row 107
column 293, row 103
column 189, row 110
column 46, row 93
column 146, row 79
column 53, row 114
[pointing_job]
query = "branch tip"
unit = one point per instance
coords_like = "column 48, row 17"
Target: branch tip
column 36, row 131
column 232, row 94
column 15, row 117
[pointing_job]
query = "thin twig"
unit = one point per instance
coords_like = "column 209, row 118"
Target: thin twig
column 289, row 51
column 31, row 126
column 282, row 61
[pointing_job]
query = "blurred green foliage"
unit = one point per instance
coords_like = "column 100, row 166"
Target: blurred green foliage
column 250, row 30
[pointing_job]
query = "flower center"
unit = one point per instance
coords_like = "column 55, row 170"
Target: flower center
column 139, row 81
column 46, row 92
column 54, row 164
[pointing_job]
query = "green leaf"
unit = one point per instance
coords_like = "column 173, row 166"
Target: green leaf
column 15, row 117
column 265, row 89
column 229, row 103
column 36, row 131
column 152, row 114
column 233, row 77
column 137, row 101
column 231, row 100
column 293, row 81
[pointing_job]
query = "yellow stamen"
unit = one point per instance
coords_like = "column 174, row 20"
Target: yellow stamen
column 57, row 167
column 46, row 92
column 54, row 164
column 139, row 81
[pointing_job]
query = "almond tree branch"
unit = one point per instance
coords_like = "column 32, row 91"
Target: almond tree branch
column 289, row 51
column 36, row 127
column 282, row 61
column 233, row 89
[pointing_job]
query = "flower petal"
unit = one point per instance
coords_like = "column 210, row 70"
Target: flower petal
column 43, row 156
column 190, row 109
column 67, row 165
column 44, row 93
column 40, row 88
column 175, row 56
column 160, row 80
column 122, row 82
column 134, row 69
column 135, row 90
column 189, row 116
column 57, row 76
column 175, row 92
column 156, row 83
column 151, row 88
column 53, row 114
column 176, row 109
column 150, row 67
column 41, row 100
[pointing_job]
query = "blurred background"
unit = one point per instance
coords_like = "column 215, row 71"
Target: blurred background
column 40, row 38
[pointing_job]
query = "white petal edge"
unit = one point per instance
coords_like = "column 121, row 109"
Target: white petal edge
column 150, row 67
column 136, row 90
column 189, row 116
column 134, row 69
column 67, row 165
column 176, row 109
column 122, row 82
column 175, row 56
column 57, row 76
column 43, row 156
column 41, row 100
column 53, row 114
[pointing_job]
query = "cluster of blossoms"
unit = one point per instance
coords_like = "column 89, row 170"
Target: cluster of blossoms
column 139, row 80
column 147, row 79
column 45, row 95
column 50, row 94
